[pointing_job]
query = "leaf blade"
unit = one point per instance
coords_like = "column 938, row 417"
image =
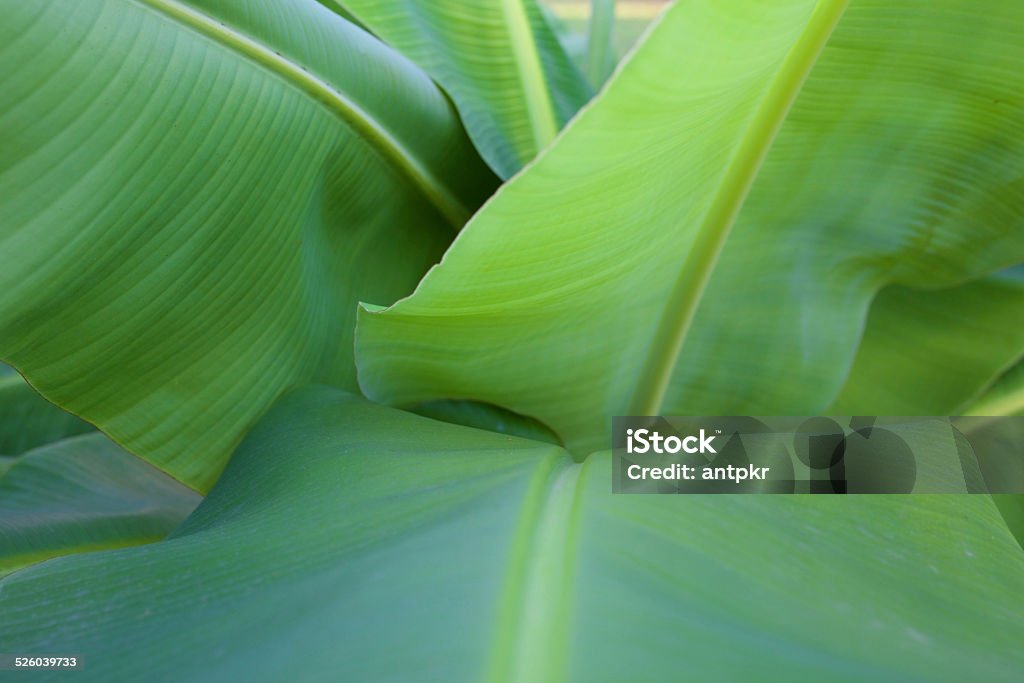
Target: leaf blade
column 729, row 195
column 934, row 352
column 501, row 62
column 28, row 421
column 84, row 494
column 878, row 176
column 173, row 263
column 421, row 523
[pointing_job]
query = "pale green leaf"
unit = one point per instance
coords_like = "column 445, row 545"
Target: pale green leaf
column 193, row 196
column 84, row 494
column 624, row 287
column 500, row 61
column 348, row 540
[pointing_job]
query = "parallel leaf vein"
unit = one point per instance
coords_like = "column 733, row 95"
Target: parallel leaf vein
column 739, row 176
column 322, row 92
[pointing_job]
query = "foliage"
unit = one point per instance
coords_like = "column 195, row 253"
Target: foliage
column 785, row 207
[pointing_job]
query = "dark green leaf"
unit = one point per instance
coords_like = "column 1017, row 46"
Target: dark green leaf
column 193, row 196
column 27, row 420
column 84, row 494
column 348, row 540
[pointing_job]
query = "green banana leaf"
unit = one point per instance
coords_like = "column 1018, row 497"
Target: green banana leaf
column 350, row 540
column 386, row 546
column 84, row 494
column 571, row 35
column 27, row 420
column 707, row 236
column 194, row 195
column 933, row 352
column 500, row 61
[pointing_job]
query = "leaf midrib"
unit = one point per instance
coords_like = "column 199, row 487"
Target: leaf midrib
column 739, row 176
column 533, row 620
column 536, row 95
column 353, row 115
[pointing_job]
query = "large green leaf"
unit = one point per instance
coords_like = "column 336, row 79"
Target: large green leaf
column 932, row 352
column 27, row 420
column 84, row 494
column 348, row 540
column 501, row 62
column 193, row 195
column 885, row 588
column 624, row 287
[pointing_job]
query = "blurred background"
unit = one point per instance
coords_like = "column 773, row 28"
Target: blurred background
column 572, row 20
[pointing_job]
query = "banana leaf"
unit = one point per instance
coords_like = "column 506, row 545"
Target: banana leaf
column 711, row 244
column 346, row 539
column 84, row 494
column 194, row 195
column 501, row 62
